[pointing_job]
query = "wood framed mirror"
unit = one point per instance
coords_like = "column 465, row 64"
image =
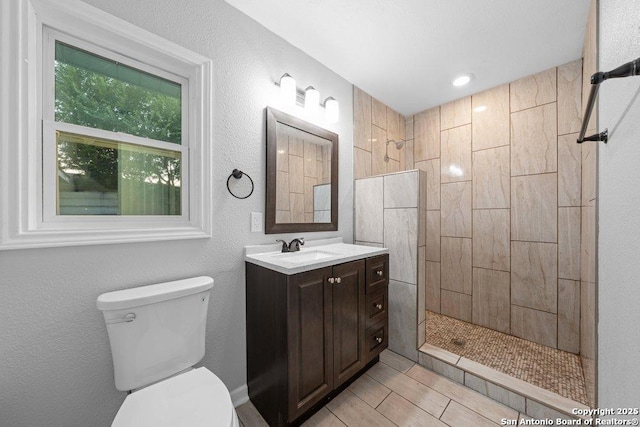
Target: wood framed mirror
column 302, row 175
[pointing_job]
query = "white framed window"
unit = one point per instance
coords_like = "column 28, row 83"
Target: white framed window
column 113, row 130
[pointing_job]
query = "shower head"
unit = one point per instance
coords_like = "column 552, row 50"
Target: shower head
column 398, row 144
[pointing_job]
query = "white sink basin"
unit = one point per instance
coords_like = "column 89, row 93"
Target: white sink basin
column 315, row 254
column 304, row 257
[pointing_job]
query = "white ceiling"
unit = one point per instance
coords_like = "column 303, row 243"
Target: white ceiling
column 406, row 52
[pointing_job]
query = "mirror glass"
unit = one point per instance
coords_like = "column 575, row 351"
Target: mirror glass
column 301, row 175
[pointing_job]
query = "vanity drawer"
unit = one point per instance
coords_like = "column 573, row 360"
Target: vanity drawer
column 376, row 340
column 377, row 273
column 377, row 306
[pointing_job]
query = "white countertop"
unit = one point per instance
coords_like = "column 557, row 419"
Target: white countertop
column 314, row 254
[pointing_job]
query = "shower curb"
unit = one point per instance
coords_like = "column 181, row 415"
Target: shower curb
column 519, row 395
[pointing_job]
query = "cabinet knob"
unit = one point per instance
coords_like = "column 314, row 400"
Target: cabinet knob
column 331, row 280
column 379, row 340
column 379, row 273
column 338, row 279
column 379, row 306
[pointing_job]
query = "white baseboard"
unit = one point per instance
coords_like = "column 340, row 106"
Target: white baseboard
column 240, row 395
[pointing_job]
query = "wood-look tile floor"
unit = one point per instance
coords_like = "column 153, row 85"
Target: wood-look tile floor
column 399, row 392
column 551, row 369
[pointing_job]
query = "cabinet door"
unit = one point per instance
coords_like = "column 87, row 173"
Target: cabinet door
column 310, row 335
column 348, row 320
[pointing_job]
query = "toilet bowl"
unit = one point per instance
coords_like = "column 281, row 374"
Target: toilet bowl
column 157, row 334
column 193, row 399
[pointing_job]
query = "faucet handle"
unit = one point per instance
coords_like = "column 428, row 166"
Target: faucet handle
column 285, row 247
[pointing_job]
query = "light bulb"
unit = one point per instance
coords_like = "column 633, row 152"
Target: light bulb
column 311, row 100
column 287, row 90
column 332, row 109
column 461, row 80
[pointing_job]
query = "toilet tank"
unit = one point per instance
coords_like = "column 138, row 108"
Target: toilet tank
column 156, row 331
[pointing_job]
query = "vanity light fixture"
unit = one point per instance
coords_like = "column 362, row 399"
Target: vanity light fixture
column 332, row 109
column 288, row 89
column 290, row 96
column 311, row 100
column 461, row 80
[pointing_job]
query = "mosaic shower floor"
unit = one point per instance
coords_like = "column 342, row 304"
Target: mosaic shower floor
column 551, row 369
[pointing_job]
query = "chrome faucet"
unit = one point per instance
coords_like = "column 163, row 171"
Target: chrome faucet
column 293, row 246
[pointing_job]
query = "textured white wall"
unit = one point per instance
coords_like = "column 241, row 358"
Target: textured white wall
column 55, row 361
column 619, row 210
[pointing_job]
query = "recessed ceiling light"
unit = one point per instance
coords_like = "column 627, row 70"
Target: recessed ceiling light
column 480, row 108
column 461, row 80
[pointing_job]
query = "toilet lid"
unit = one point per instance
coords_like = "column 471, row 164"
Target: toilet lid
column 196, row 398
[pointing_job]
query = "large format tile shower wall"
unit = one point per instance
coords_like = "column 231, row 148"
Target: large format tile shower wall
column 504, row 205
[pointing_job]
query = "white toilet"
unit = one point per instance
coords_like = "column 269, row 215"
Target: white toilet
column 157, row 334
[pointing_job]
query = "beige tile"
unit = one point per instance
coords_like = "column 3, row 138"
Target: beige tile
column 296, row 204
column 408, row 127
column 401, row 237
column 542, row 412
column 570, row 97
column 282, row 158
column 378, row 113
column 495, row 392
column 369, row 390
column 569, row 170
column 456, row 264
column 569, row 243
column 588, row 331
column 456, row 305
column 491, row 238
column 408, row 155
column 296, row 174
column 438, row 353
column 588, row 245
column 533, row 90
column 249, row 415
column 590, row 57
column 458, row 415
column 392, row 166
column 310, row 159
column 534, row 325
column 422, row 282
column 490, row 118
column 362, row 163
column 424, row 397
column 432, row 169
column 469, row 398
column 404, row 413
column 491, row 178
column 369, row 210
column 361, row 119
column 455, row 211
column 401, row 190
column 569, row 315
column 589, row 176
column 455, row 113
column 491, row 305
column 445, row 369
column 402, row 129
column 283, row 217
column 378, row 144
column 433, row 236
column 421, row 333
column 455, row 154
column 296, row 144
column 534, row 213
column 396, row 361
column 393, row 130
column 353, row 411
column 534, row 276
column 309, row 183
column 308, row 217
column 282, row 191
column 551, row 399
column 534, row 141
column 432, row 289
column 426, row 137
column 323, row 418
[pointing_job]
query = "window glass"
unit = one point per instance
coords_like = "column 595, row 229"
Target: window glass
column 103, row 177
column 100, row 93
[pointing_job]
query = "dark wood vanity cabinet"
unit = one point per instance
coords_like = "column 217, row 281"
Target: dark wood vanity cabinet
column 308, row 334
